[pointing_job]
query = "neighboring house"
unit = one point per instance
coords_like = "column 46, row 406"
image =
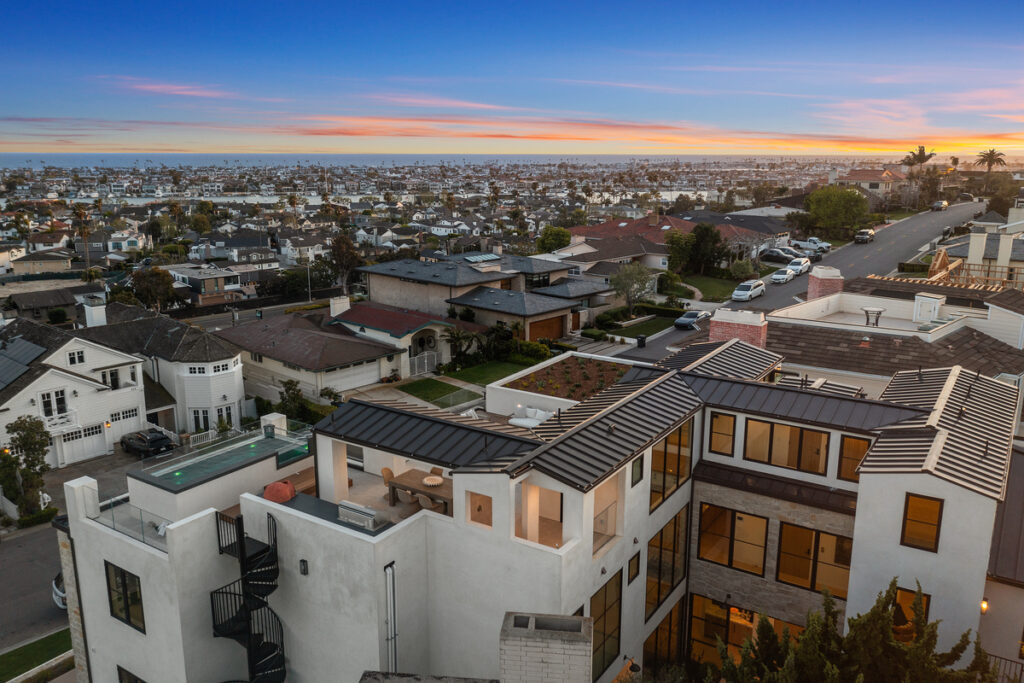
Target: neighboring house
column 674, row 508
column 129, row 241
column 588, row 298
column 207, row 284
column 301, row 249
column 41, row 241
column 200, row 372
column 582, row 254
column 426, row 285
column 44, row 303
column 539, row 317
column 47, row 261
column 8, row 252
column 88, row 395
column 308, row 349
column 882, row 182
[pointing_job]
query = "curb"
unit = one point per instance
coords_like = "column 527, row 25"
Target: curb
column 45, row 666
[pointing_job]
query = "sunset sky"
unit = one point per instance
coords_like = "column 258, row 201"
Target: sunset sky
column 511, row 77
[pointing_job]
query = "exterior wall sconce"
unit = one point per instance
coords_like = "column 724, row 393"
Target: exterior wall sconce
column 984, row 605
column 31, row 401
column 303, row 567
column 224, row 397
column 107, row 424
column 74, row 392
column 604, row 570
column 636, row 540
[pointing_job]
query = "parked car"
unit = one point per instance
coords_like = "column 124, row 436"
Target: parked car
column 813, row 256
column 146, row 443
column 799, row 266
column 745, row 291
column 965, row 197
column 60, row 598
column 864, row 236
column 776, row 255
column 782, row 276
column 691, row 319
column 793, row 253
column 811, row 244
column 940, row 205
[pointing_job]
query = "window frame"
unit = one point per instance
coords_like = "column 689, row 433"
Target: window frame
column 636, row 477
column 121, row 576
column 938, row 522
column 799, row 450
column 814, row 559
column 711, row 434
column 732, row 538
column 682, row 523
column 634, row 568
column 680, row 480
column 839, row 470
column 607, row 634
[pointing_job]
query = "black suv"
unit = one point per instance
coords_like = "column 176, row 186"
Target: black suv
column 864, row 236
column 146, row 443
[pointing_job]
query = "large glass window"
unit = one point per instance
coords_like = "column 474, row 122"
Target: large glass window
column 664, row 647
column 723, row 429
column 814, row 559
column 124, row 592
column 666, row 561
column 670, row 463
column 786, row 446
column 711, row 620
column 606, row 611
column 922, row 518
column 851, row 452
column 903, row 614
column 735, row 539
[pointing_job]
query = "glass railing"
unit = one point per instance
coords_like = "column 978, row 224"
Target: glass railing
column 135, row 522
column 604, row 526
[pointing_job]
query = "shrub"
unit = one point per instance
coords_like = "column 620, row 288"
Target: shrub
column 741, row 270
column 534, row 350
column 56, row 316
column 263, row 406
column 42, row 517
column 521, row 359
column 668, row 281
column 595, row 334
column 467, row 314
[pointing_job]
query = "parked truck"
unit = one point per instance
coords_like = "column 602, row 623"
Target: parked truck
column 811, row 244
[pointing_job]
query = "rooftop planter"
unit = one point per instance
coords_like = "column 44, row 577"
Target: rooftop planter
column 574, row 378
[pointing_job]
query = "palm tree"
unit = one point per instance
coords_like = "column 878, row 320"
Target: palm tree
column 459, row 339
column 988, row 159
column 914, row 158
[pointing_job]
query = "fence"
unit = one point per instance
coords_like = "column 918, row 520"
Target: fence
column 136, row 523
column 7, row 507
column 456, row 398
column 166, row 432
column 1007, row 670
column 423, row 363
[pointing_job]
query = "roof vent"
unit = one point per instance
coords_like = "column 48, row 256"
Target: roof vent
column 611, row 428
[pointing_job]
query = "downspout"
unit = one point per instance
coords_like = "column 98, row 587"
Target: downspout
column 390, row 618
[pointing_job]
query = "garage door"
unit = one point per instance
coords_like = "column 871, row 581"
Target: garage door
column 352, row 377
column 83, row 443
column 549, row 328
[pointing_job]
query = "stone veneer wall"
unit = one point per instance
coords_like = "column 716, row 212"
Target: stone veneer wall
column 762, row 594
column 748, row 326
column 823, row 281
column 534, row 648
column 67, row 564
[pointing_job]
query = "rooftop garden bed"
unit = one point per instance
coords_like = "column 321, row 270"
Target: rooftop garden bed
column 488, row 372
column 573, row 378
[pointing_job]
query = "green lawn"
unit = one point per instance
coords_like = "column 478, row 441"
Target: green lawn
column 648, row 327
column 27, row 657
column 679, row 291
column 894, row 216
column 488, row 372
column 714, row 288
column 428, row 389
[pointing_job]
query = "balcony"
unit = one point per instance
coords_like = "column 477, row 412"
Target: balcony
column 61, row 421
column 604, row 526
column 120, row 515
column 539, row 515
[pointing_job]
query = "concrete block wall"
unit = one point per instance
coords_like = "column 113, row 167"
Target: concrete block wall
column 748, row 326
column 536, row 648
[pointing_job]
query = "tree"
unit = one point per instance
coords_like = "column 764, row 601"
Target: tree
column 153, row 287
column 988, row 159
column 460, row 341
column 552, row 238
column 680, row 247
column 292, row 403
column 708, row 248
column 917, row 157
column 344, row 259
column 682, row 203
column 836, row 209
column 631, row 282
column 201, row 223
column 30, row 440
column 56, row 316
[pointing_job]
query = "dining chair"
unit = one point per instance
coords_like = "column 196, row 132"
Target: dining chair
column 436, row 470
column 388, row 474
column 427, row 504
column 405, row 496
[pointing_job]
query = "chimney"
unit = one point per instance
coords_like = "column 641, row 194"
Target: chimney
column 95, row 311
column 748, row 326
column 535, row 648
column 823, row 281
column 976, row 247
column 1005, row 250
column 652, row 218
column 496, row 248
column 339, row 304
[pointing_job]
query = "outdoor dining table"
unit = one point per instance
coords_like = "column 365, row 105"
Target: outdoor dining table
column 412, row 480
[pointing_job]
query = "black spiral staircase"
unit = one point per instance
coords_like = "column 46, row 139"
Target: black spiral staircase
column 240, row 609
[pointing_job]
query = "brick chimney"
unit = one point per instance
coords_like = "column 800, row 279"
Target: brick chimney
column 823, row 281
column 652, row 218
column 748, row 326
column 536, row 648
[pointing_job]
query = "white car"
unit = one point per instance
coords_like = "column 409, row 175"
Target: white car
column 748, row 290
column 782, row 276
column 799, row 266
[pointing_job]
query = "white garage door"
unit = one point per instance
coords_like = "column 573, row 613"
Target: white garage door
column 353, row 377
column 82, row 444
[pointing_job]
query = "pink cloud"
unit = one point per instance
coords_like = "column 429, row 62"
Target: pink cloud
column 671, row 90
column 433, row 101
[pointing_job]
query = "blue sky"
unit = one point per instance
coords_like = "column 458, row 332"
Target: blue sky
column 595, row 77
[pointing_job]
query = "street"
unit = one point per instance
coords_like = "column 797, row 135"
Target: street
column 893, row 244
column 212, row 323
column 28, row 562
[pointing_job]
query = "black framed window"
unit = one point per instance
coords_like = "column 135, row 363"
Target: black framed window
column 606, row 611
column 922, row 520
column 125, row 676
column 670, row 463
column 666, row 561
column 903, row 614
column 634, row 568
column 637, row 471
column 711, row 620
column 795, row 448
column 723, row 432
column 731, row 538
column 814, row 559
column 664, row 647
column 851, row 452
column 124, row 591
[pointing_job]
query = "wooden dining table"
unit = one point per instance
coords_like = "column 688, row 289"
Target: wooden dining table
column 412, row 480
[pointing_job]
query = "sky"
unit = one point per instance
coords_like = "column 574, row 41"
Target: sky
column 511, row 77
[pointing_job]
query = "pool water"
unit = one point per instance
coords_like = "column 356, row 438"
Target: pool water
column 208, row 465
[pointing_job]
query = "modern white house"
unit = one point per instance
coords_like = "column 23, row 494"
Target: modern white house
column 671, row 507
column 88, row 395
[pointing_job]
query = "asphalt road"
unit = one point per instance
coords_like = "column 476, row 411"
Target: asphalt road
column 28, row 563
column 212, row 323
column 898, row 242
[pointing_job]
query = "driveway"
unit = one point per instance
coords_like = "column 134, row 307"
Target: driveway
column 108, row 471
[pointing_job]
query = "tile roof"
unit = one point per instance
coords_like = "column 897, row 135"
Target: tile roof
column 959, row 247
column 883, row 355
column 1009, row 299
column 508, row 262
column 135, row 330
column 440, row 272
column 396, row 321
column 611, row 248
column 573, row 288
column 43, row 299
column 510, row 301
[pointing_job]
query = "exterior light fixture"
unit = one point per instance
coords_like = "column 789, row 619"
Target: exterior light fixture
column 224, row 397
column 31, row 401
column 107, row 424
column 74, row 392
column 303, row 567
column 984, row 605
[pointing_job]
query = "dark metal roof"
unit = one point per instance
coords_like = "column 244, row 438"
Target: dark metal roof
column 423, row 436
column 440, row 272
column 508, row 262
column 689, row 354
column 796, row 381
column 1006, row 558
column 563, row 421
column 573, row 289
column 510, row 301
column 772, row 486
column 733, row 358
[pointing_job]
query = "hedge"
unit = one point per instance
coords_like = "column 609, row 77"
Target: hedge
column 607, row 320
column 534, row 350
column 42, row 517
column 594, row 333
column 905, row 267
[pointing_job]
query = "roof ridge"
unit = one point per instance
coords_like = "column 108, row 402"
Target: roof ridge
column 944, row 395
column 395, row 409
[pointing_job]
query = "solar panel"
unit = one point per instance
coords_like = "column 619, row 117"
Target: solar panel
column 10, row 370
column 22, row 351
column 477, row 258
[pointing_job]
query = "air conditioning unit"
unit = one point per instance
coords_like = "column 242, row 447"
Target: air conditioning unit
column 358, row 515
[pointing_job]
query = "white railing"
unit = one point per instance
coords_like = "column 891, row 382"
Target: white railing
column 202, row 438
column 68, row 419
column 166, row 432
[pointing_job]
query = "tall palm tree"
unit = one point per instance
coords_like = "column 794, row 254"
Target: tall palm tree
column 918, row 157
column 988, row 159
